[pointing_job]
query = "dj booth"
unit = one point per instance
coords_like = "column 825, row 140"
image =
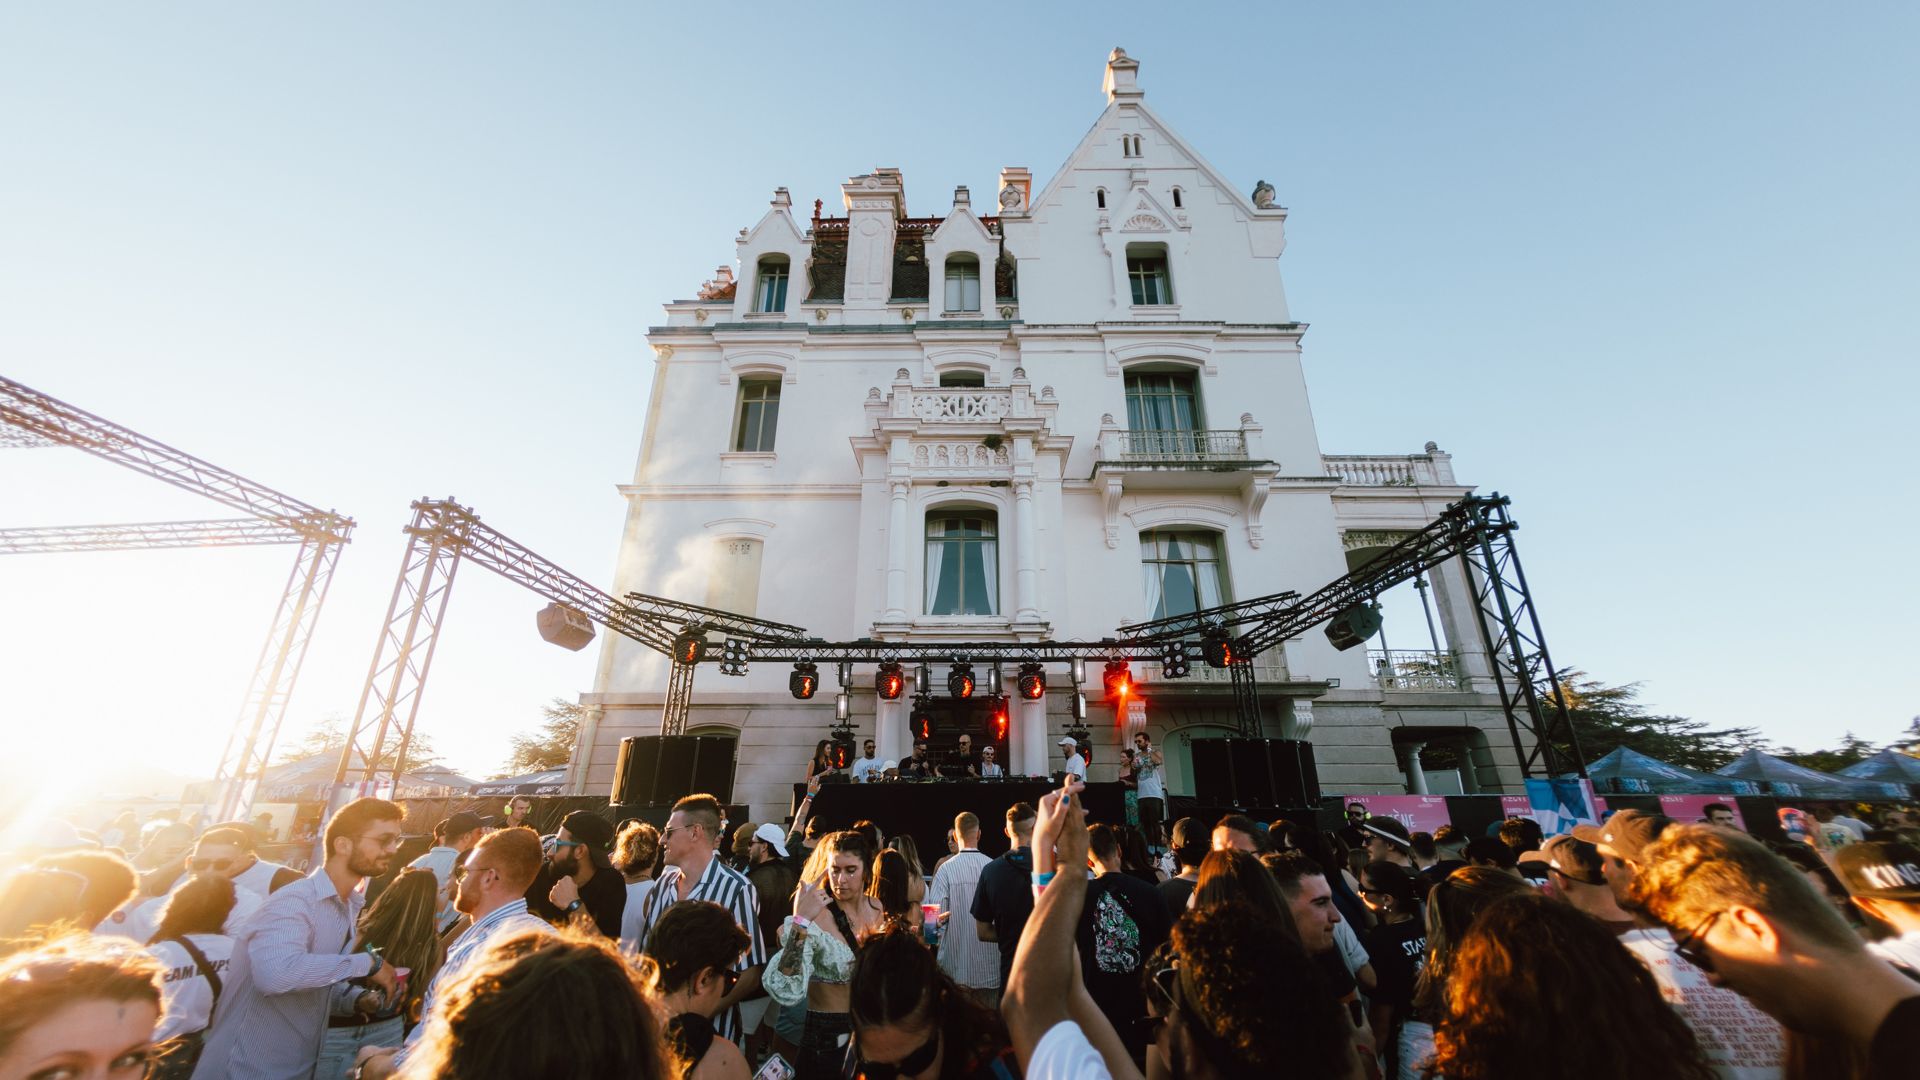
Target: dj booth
column 925, row 809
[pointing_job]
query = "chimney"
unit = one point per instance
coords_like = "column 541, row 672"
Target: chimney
column 875, row 203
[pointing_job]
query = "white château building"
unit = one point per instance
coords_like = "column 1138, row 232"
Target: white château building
column 1083, row 410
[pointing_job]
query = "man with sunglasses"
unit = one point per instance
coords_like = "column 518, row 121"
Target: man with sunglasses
column 289, row 957
column 579, row 876
column 1754, row 921
column 1574, row 875
column 1739, row 1040
column 490, row 889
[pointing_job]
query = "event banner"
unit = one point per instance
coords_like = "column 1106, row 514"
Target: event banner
column 1558, row 805
column 1692, row 809
column 1419, row 813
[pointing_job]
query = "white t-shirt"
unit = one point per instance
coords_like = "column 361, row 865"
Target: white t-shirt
column 1738, row 1040
column 1353, row 952
column 865, row 770
column 630, row 915
column 1064, row 1053
column 1147, row 775
column 186, row 995
column 1076, row 765
column 140, row 918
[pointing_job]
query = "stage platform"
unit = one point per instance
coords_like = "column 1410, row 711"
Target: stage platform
column 925, row 809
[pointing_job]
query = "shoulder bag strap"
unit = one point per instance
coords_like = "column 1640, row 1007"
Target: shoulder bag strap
column 205, row 968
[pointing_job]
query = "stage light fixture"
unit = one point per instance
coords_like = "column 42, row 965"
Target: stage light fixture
column 840, row 750
column 1077, row 670
column 889, row 682
column 842, row 706
column 1117, row 680
column 960, row 681
column 1216, row 648
column 733, row 657
column 922, row 719
column 804, row 680
column 1079, row 706
column 1000, row 719
column 994, row 685
column 1354, row 625
column 845, row 670
column 690, row 647
column 1033, row 681
column 923, row 679
column 1173, row 661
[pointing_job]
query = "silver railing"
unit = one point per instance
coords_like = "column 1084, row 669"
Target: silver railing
column 1416, row 669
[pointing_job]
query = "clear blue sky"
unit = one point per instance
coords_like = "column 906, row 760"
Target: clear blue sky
column 1646, row 268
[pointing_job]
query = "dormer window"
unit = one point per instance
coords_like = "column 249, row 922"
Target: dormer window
column 1147, row 274
column 770, row 285
column 1129, row 146
column 963, row 283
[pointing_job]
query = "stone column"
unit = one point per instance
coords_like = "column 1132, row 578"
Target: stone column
column 1416, row 775
column 897, row 556
column 1027, row 741
column 1026, row 572
column 890, row 735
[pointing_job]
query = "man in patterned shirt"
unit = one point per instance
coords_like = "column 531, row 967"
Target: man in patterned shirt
column 691, row 843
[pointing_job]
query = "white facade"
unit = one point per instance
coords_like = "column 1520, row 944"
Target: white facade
column 821, row 518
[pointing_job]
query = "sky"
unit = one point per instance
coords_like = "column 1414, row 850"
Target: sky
column 1645, row 268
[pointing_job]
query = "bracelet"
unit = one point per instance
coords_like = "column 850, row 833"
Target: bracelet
column 801, row 922
column 1042, row 880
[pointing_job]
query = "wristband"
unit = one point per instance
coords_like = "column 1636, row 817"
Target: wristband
column 801, row 922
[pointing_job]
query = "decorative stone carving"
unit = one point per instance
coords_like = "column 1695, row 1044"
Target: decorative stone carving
column 1019, row 373
column 1433, row 447
column 1246, row 418
column 921, row 456
column 907, row 314
column 902, row 375
column 1106, row 419
column 663, row 352
column 1357, row 539
column 1010, row 198
column 1145, row 223
column 961, row 406
column 819, row 314
column 971, row 456
column 873, row 393
column 1006, row 313
column 1046, row 393
column 720, row 287
column 699, row 314
column 1263, row 196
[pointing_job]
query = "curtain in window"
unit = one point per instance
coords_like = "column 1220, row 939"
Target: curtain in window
column 936, row 569
column 963, row 285
column 1181, row 572
column 988, row 602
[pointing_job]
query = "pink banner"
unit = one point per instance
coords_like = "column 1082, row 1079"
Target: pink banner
column 1692, row 809
column 1419, row 813
column 1515, row 806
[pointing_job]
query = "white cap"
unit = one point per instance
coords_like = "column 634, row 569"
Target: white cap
column 889, row 764
column 772, row 836
column 1068, row 740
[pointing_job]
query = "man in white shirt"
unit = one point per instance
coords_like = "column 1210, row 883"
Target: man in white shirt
column 867, row 769
column 973, row 963
column 453, row 838
column 1884, row 878
column 1148, row 774
column 1074, row 763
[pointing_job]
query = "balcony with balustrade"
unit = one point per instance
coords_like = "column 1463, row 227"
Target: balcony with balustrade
column 1229, row 460
column 1417, row 670
column 1391, row 492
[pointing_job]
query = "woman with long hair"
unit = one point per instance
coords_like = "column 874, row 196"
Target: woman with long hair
column 399, row 926
column 1510, row 1009
column 822, row 760
column 79, row 1006
column 916, row 876
column 1135, row 859
column 1130, row 786
column 689, row 970
column 892, row 888
column 910, row 1019
column 1396, row 947
column 831, row 913
column 542, row 1004
column 1452, row 907
column 192, row 946
column 1232, row 876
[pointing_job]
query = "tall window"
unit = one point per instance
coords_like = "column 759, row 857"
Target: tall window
column 770, row 290
column 1162, row 401
column 1181, row 571
column 963, row 283
column 963, row 563
column 1147, row 273
column 759, row 414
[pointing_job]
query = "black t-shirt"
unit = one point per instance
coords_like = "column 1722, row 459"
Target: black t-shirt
column 1397, row 952
column 1435, row 874
column 1124, row 921
column 1896, row 1046
column 1004, row 899
column 775, row 881
column 605, row 896
column 1176, row 892
column 915, row 767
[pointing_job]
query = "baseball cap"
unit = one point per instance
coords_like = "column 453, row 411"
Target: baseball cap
column 1389, row 829
column 889, row 764
column 461, row 824
column 1627, row 832
column 1068, row 740
column 590, row 828
column 1880, row 869
column 772, row 836
column 1575, row 858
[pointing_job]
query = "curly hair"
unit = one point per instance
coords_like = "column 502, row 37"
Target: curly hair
column 635, row 848
column 1255, row 1002
column 897, row 982
column 1511, row 1010
column 539, row 1004
column 66, row 971
column 1451, row 908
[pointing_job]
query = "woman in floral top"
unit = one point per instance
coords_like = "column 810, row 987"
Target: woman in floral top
column 831, row 913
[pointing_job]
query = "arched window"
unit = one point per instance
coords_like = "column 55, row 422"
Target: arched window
column 963, row 283
column 1100, row 198
column 1176, row 199
column 1181, row 571
column 770, row 285
column 963, row 562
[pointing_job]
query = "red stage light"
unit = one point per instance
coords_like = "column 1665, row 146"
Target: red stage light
column 1032, row 682
column 889, row 682
column 1118, row 681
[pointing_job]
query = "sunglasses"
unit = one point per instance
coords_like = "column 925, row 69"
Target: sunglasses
column 912, row 1065
column 569, row 843
column 209, row 864
column 1693, row 946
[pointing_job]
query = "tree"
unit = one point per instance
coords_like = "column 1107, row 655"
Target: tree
column 1852, row 749
column 1909, row 741
column 1608, row 717
column 329, row 736
column 551, row 746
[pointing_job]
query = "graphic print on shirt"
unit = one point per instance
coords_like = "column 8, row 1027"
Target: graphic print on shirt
column 1116, row 937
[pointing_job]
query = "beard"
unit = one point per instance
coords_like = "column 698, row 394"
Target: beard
column 371, row 866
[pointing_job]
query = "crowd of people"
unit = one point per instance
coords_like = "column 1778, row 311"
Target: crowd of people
column 713, row 950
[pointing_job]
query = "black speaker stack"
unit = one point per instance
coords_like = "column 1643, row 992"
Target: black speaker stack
column 1250, row 773
column 656, row 770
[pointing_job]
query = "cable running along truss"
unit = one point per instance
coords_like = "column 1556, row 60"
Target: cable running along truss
column 29, row 418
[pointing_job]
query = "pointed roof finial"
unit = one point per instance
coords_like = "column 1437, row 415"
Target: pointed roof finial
column 1122, row 76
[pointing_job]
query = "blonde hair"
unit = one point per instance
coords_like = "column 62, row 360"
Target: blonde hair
column 1695, row 871
column 79, row 967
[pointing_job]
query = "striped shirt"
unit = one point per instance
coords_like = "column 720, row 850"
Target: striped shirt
column 730, row 889
column 504, row 921
column 286, row 961
column 963, row 955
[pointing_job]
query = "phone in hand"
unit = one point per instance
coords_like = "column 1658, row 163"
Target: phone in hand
column 776, row 1068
